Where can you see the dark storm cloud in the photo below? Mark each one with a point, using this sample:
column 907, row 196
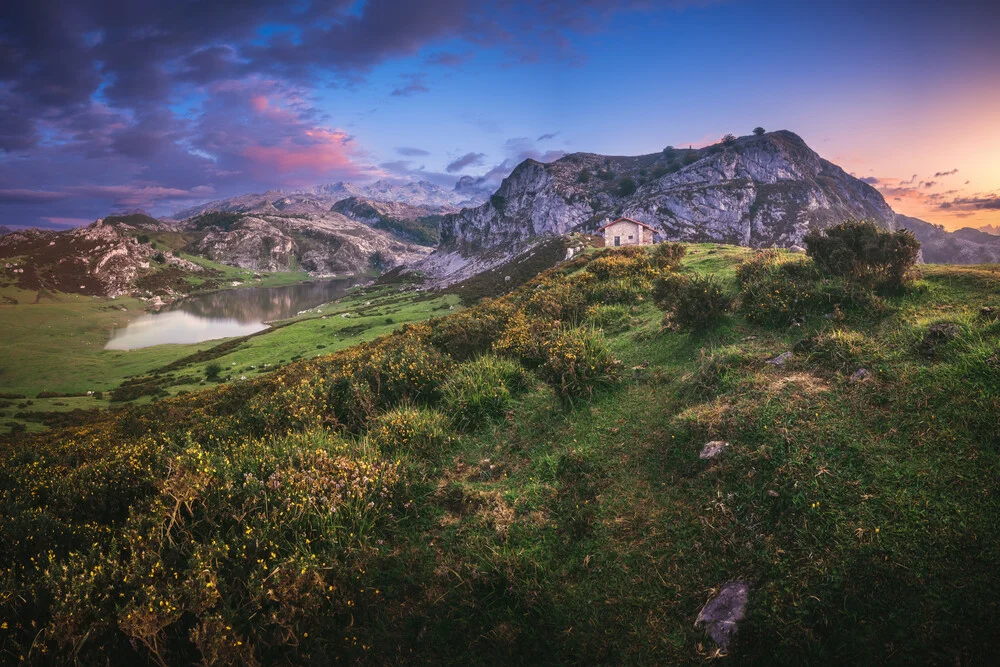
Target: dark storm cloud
column 870, row 180
column 467, row 160
column 24, row 196
column 945, row 173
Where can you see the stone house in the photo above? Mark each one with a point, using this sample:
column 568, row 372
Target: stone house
column 625, row 231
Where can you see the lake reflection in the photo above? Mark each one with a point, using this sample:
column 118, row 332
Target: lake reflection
column 227, row 313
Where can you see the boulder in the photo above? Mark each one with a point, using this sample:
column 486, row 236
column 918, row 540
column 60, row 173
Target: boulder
column 780, row 359
column 713, row 449
column 722, row 613
column 860, row 374
column 937, row 335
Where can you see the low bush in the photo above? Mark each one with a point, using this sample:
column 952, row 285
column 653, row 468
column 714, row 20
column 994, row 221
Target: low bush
column 561, row 300
column 483, row 389
column 409, row 429
column 667, row 256
column 776, row 290
column 471, row 332
column 837, row 349
column 697, row 303
column 523, row 338
column 238, row 551
column 860, row 251
column 578, row 362
column 623, row 263
column 212, row 371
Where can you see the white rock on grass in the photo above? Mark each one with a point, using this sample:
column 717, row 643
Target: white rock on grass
column 780, row 359
column 713, row 449
column 722, row 613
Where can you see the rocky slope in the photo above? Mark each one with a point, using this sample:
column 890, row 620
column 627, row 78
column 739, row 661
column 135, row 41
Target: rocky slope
column 324, row 244
column 414, row 223
column 102, row 259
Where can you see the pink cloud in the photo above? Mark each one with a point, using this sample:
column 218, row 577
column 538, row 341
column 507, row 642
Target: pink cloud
column 312, row 154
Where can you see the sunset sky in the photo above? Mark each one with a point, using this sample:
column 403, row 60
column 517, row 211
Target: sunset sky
column 110, row 106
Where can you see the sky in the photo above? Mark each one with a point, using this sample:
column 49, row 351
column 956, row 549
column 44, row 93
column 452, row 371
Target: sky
column 109, row 106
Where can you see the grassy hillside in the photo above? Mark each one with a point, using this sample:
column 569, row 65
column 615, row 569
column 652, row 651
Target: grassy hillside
column 520, row 481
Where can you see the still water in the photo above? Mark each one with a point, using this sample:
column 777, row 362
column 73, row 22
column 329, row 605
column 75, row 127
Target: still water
column 236, row 312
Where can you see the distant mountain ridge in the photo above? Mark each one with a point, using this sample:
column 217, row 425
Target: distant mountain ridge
column 963, row 246
column 321, row 198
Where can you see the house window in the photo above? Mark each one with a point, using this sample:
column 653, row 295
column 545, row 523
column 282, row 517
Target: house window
column 629, row 237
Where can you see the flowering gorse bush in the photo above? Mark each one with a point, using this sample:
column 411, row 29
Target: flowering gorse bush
column 406, row 428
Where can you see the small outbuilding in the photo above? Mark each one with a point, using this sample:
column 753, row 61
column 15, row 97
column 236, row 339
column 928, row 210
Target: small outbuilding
column 625, row 231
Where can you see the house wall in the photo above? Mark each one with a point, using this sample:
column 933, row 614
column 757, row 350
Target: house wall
column 624, row 230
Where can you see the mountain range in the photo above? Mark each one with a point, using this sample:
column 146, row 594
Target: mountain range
column 759, row 191
column 320, row 198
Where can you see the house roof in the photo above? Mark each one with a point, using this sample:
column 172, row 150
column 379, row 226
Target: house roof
column 641, row 224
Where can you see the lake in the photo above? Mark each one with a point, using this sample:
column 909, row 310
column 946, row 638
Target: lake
column 235, row 312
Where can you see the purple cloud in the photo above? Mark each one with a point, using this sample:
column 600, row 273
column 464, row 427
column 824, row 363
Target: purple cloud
column 414, row 86
column 467, row 160
column 412, row 152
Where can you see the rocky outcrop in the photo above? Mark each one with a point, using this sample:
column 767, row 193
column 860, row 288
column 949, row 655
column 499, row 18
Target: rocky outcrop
column 327, row 244
column 101, row 259
column 760, row 192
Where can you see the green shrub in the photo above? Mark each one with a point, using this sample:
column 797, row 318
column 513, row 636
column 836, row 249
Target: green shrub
column 667, row 289
column 626, row 186
column 212, row 371
column 667, row 256
column 860, row 252
column 483, row 389
column 838, row 349
column 409, row 429
column 697, row 303
column 577, row 362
